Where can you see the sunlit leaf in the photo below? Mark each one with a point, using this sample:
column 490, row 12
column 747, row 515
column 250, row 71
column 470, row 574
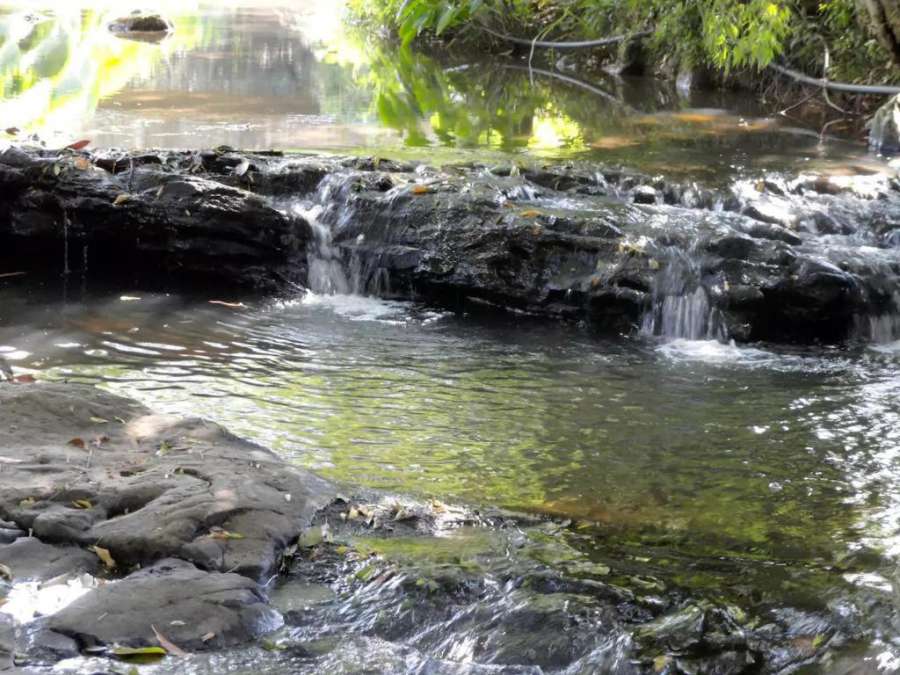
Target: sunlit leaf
column 105, row 556
column 139, row 654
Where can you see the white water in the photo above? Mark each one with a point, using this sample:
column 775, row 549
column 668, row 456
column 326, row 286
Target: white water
column 714, row 351
column 326, row 269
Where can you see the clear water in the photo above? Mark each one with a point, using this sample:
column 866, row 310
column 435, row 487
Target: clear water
column 760, row 476
column 787, row 455
column 713, row 467
column 291, row 75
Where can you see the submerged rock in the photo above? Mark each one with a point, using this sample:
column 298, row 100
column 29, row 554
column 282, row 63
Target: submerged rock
column 143, row 27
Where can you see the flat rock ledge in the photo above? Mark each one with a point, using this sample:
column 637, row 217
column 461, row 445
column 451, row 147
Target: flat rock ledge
column 775, row 257
column 194, row 520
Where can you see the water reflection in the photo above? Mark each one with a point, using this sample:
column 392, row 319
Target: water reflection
column 755, row 475
column 720, row 452
column 259, row 75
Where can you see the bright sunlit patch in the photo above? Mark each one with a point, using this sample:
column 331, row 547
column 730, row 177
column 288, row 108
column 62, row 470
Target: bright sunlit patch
column 29, row 600
column 551, row 131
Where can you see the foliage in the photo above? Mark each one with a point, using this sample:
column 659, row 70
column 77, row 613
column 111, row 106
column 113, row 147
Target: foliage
column 726, row 35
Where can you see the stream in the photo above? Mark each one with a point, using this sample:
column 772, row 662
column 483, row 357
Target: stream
column 603, row 501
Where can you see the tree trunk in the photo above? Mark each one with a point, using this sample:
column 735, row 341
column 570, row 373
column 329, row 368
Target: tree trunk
column 884, row 18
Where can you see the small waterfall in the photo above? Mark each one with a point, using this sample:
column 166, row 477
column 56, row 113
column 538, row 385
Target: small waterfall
column 326, row 268
column 881, row 329
column 681, row 306
column 330, row 271
column 884, row 329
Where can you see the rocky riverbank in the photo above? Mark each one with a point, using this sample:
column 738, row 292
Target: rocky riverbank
column 804, row 258
column 124, row 531
column 188, row 519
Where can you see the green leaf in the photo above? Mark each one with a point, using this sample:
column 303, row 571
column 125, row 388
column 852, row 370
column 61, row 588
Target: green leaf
column 138, row 654
column 448, row 16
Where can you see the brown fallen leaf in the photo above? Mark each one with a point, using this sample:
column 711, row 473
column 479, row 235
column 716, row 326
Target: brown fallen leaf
column 12, row 131
column 83, row 164
column 530, row 214
column 78, row 145
column 121, row 199
column 421, row 190
column 225, row 535
column 105, row 557
column 207, row 637
column 167, row 644
column 77, row 443
column 233, row 305
column 99, row 441
column 24, row 379
column 82, row 504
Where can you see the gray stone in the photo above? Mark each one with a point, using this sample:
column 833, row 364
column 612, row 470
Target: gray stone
column 30, row 559
column 212, row 498
column 195, row 610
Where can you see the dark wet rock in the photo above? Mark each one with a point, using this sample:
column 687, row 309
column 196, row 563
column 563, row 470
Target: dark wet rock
column 644, row 194
column 157, row 486
column 9, row 532
column 188, row 605
column 29, row 559
column 572, row 241
column 884, row 128
column 155, row 225
column 38, row 645
column 140, row 23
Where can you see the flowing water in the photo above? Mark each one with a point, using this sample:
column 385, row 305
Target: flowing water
column 671, row 464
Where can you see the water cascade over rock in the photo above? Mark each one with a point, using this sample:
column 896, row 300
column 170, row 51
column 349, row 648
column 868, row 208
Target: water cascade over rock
column 681, row 305
column 798, row 258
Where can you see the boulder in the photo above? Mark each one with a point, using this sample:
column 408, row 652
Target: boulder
column 143, row 27
column 93, row 469
column 151, row 223
column 774, row 257
column 30, row 559
column 195, row 610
